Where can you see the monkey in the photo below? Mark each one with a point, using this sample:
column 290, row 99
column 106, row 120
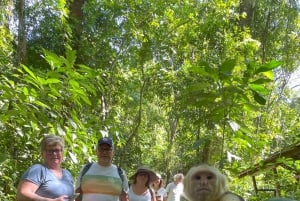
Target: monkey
column 206, row 183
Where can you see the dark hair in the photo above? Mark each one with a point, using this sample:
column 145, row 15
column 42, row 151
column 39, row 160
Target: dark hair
column 147, row 182
column 160, row 183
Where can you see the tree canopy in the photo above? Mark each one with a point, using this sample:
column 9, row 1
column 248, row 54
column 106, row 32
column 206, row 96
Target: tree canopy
column 174, row 83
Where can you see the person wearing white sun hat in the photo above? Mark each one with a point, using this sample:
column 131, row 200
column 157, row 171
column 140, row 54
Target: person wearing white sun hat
column 141, row 181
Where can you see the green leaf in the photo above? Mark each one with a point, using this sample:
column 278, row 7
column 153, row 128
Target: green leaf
column 54, row 93
column 250, row 107
column 74, row 84
column 39, row 103
column 71, row 58
column 269, row 75
column 53, row 60
column 29, row 72
column 261, row 81
column 259, row 88
column 86, row 99
column 227, row 67
column 52, row 81
column 268, row 66
column 3, row 157
column 259, row 98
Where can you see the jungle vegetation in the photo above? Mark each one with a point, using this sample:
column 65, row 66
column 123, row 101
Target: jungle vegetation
column 175, row 83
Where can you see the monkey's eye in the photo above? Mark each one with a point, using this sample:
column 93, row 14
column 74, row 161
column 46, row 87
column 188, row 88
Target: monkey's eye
column 197, row 177
column 209, row 177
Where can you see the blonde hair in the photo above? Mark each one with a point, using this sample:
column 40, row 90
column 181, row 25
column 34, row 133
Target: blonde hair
column 51, row 140
column 178, row 176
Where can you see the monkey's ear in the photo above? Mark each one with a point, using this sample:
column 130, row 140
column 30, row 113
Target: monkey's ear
column 223, row 181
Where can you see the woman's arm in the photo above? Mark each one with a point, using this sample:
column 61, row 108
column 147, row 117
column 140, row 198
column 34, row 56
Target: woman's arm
column 26, row 192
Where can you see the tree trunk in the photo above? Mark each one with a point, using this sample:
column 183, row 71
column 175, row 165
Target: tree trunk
column 247, row 6
column 76, row 22
column 21, row 47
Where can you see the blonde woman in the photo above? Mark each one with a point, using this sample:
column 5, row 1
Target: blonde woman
column 47, row 181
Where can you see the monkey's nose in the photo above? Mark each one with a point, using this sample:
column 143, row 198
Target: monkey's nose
column 204, row 182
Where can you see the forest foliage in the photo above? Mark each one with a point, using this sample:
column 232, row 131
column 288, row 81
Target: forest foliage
column 174, row 83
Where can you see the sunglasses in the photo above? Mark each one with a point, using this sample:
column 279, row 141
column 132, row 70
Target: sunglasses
column 144, row 174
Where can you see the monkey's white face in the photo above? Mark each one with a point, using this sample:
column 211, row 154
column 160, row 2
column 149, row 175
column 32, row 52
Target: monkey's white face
column 204, row 184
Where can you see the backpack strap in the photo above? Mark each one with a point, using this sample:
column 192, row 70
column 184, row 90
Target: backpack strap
column 121, row 174
column 84, row 170
column 152, row 194
column 124, row 195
